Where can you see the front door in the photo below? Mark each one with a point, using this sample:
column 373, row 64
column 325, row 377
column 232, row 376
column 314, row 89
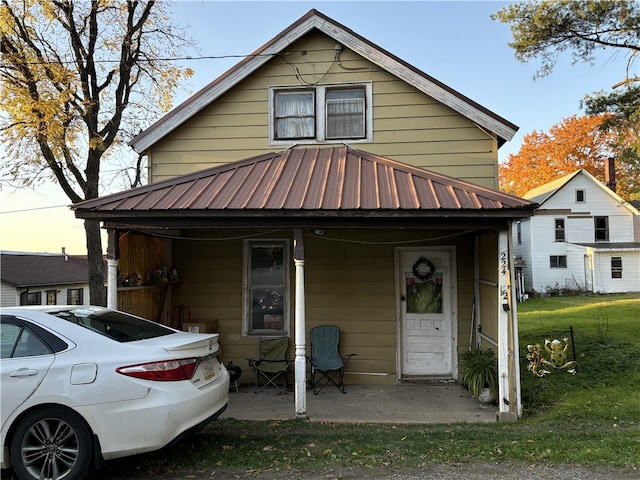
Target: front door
column 426, row 281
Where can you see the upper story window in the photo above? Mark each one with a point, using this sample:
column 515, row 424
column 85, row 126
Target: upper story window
column 601, row 225
column 266, row 288
column 321, row 113
column 581, row 196
column 519, row 232
column 559, row 233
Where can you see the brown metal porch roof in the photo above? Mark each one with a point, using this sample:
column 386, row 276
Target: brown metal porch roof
column 335, row 181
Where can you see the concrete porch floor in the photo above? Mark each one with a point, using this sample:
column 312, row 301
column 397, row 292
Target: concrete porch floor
column 406, row 403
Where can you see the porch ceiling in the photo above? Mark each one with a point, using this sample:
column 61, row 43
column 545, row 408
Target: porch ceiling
column 339, row 185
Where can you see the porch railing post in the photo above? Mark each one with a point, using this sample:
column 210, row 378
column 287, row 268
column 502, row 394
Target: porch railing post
column 300, row 364
column 112, row 283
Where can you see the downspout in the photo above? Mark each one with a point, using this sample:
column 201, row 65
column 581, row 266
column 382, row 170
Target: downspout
column 300, row 365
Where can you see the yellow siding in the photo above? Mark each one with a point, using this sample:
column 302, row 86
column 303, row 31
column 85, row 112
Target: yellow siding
column 408, row 125
column 349, row 283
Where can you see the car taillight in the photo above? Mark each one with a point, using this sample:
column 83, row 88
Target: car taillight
column 166, row 371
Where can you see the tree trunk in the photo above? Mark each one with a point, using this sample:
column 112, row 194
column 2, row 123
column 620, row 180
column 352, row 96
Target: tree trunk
column 97, row 291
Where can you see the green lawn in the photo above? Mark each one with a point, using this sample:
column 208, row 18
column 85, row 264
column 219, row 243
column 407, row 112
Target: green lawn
column 591, row 418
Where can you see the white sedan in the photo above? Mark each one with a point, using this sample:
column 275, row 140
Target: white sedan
column 85, row 384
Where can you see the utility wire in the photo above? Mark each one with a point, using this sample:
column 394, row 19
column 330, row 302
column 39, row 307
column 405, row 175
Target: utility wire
column 33, row 209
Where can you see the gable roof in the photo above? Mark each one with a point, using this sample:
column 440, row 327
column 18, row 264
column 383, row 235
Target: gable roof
column 313, row 19
column 39, row 269
column 312, row 183
column 544, row 192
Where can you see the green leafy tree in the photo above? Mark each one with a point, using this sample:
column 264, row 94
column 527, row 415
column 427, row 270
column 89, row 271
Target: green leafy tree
column 77, row 80
column 544, row 30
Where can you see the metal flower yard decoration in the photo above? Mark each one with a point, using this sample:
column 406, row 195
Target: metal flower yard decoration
column 557, row 354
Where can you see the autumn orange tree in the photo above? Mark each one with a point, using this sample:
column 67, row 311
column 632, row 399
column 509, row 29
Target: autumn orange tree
column 574, row 143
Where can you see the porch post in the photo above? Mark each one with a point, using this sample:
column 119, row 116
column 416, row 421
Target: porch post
column 112, row 283
column 503, row 323
column 300, row 364
column 514, row 329
column 112, row 271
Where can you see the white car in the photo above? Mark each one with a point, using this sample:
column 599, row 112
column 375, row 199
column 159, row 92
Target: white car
column 81, row 385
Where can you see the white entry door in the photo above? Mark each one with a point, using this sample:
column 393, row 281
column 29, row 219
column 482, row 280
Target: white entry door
column 427, row 316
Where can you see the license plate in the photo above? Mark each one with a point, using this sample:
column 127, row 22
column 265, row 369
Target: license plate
column 208, row 370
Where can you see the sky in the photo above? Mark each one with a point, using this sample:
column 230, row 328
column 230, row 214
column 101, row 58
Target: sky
column 455, row 42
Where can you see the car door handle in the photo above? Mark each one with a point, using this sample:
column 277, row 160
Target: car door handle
column 24, row 372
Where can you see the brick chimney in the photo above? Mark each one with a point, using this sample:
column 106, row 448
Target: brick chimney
column 610, row 173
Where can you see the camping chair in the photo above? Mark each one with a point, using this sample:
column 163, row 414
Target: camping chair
column 326, row 361
column 272, row 365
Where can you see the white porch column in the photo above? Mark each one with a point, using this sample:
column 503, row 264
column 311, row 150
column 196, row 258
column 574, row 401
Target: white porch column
column 514, row 331
column 300, row 364
column 112, row 283
column 507, row 358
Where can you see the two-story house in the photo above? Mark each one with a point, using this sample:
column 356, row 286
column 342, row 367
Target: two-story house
column 583, row 237
column 43, row 279
column 323, row 180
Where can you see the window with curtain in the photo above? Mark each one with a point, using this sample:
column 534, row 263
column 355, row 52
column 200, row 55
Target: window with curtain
column 345, row 113
column 321, row 113
column 294, row 114
column 266, row 288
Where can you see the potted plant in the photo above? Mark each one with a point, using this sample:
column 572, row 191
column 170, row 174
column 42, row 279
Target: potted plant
column 479, row 372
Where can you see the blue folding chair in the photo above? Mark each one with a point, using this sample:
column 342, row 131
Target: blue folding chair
column 326, row 362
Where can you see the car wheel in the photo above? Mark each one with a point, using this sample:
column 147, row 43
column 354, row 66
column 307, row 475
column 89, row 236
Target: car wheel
column 51, row 444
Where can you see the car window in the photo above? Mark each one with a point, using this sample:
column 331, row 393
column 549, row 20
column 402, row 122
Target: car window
column 9, row 334
column 18, row 341
column 116, row 325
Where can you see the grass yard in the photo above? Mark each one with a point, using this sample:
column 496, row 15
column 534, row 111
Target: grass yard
column 590, row 419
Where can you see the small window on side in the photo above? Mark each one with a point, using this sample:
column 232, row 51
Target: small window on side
column 581, row 196
column 31, row 298
column 74, row 296
column 559, row 230
column 558, row 261
column 52, row 297
column 616, row 267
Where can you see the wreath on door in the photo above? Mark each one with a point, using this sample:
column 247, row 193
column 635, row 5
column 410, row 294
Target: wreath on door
column 423, row 269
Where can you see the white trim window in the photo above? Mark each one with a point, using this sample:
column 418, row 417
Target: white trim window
column 559, row 230
column 266, row 288
column 320, row 113
column 601, row 229
column 616, row 267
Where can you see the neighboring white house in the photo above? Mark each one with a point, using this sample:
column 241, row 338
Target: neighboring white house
column 43, row 279
column 582, row 237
